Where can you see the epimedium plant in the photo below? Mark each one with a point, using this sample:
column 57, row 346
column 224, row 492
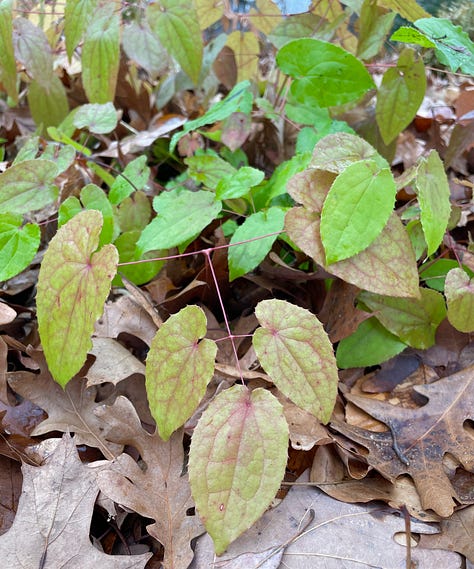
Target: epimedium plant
column 333, row 200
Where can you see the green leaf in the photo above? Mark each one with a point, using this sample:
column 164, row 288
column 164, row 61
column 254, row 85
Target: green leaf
column 139, row 273
column 77, row 16
column 356, row 209
column 453, row 48
column 387, row 266
column 98, row 119
column 178, row 368
column 335, row 152
column 134, row 212
column 459, row 290
column 238, row 184
column 48, row 102
column 73, row 285
column 94, row 197
column 408, row 9
column 324, row 74
column 413, row 320
column 181, row 216
column 134, row 178
column 400, row 95
column 369, row 345
column 411, row 35
column 375, row 25
column 18, row 244
column 28, row 186
column 237, row 460
column 176, row 25
column 101, row 55
column 208, row 169
column 433, row 274
column 7, row 61
column 295, row 351
column 433, row 192
column 238, row 100
column 62, row 156
column 143, row 47
column 295, row 27
column 70, row 207
column 245, row 257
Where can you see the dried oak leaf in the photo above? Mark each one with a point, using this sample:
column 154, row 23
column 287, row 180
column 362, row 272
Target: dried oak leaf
column 419, row 438
column 69, row 409
column 157, row 488
column 51, row 527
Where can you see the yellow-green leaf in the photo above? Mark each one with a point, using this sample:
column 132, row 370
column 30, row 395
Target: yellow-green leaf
column 7, row 61
column 295, row 351
column 246, row 49
column 48, row 102
column 237, row 461
column 18, row 244
column 73, row 285
column 408, row 9
column 100, row 55
column 77, row 15
column 178, row 369
column 459, row 290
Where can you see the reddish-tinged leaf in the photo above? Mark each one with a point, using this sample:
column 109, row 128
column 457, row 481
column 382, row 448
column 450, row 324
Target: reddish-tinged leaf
column 73, row 285
column 178, row 369
column 459, row 290
column 295, row 351
column 387, row 266
column 237, row 461
column 311, row 187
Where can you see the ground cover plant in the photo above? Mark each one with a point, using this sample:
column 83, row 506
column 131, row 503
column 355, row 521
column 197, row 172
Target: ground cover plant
column 235, row 252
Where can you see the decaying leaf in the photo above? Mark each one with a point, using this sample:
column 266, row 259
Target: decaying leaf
column 158, row 490
column 51, row 527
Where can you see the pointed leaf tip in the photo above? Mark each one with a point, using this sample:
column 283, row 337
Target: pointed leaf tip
column 295, row 351
column 178, row 369
column 73, row 284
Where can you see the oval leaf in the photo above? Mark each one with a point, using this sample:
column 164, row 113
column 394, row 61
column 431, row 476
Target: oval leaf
column 459, row 290
column 356, row 209
column 295, row 351
column 18, row 245
column 99, row 119
column 73, row 285
column 178, row 369
column 237, row 460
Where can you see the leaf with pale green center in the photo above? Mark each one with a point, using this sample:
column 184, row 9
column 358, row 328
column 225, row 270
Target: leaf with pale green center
column 245, row 257
column 413, row 320
column 176, row 25
column 77, row 15
column 400, row 95
column 433, row 193
column 18, row 244
column 73, row 285
column 356, row 209
column 237, row 460
column 101, row 55
column 295, row 351
column 387, row 266
column 459, row 290
column 7, row 63
column 335, row 152
column 178, row 369
column 28, row 186
column 181, row 216
column 99, row 119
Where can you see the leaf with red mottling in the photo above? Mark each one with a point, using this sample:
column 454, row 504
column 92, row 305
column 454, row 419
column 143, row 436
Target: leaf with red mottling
column 459, row 291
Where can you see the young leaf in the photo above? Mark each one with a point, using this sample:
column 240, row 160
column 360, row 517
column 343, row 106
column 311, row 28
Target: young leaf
column 98, row 119
column 433, row 196
column 323, row 73
column 7, row 62
column 387, row 266
column 73, row 284
column 295, row 351
column 400, row 95
column 18, row 244
column 238, row 100
column 77, row 15
column 28, row 186
column 178, row 369
column 356, row 209
column 237, row 461
column 134, row 177
column 244, row 258
column 335, row 152
column 176, row 25
column 238, row 184
column 413, row 320
column 459, row 290
column 369, row 345
column 181, row 216
column 101, row 54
